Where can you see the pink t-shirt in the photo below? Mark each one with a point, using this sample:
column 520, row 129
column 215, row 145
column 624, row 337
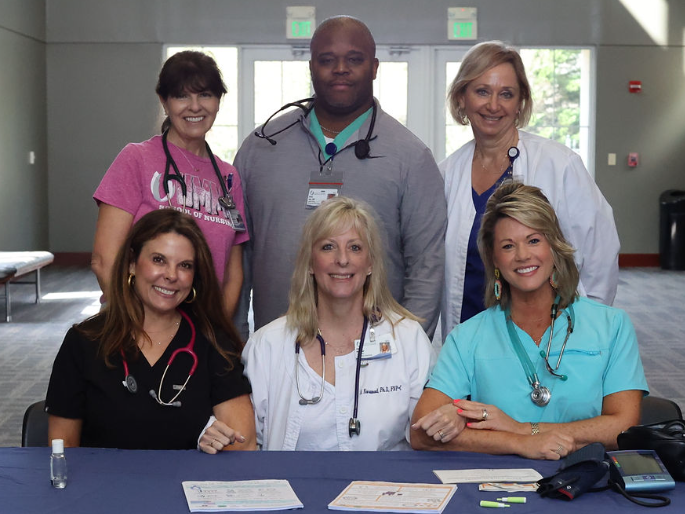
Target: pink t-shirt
column 133, row 183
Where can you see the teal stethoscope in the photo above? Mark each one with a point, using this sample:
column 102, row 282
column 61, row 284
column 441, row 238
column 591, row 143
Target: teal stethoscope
column 541, row 395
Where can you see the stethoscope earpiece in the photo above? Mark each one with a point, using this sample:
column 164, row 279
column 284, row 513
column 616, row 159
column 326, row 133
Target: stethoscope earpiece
column 362, row 149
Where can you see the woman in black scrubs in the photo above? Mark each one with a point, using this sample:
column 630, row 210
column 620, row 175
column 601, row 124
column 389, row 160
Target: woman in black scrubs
column 161, row 359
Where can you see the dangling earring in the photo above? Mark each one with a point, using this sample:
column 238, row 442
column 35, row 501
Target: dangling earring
column 553, row 281
column 131, row 279
column 498, row 286
column 193, row 298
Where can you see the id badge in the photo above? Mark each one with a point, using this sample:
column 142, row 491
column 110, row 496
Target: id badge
column 235, row 220
column 381, row 348
column 322, row 187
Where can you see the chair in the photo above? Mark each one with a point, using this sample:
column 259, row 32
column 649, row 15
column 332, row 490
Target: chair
column 34, row 430
column 656, row 410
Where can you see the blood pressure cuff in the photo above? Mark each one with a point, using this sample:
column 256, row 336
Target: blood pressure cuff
column 667, row 439
column 579, row 473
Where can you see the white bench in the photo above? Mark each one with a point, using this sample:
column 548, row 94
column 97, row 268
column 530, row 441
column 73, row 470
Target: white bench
column 15, row 265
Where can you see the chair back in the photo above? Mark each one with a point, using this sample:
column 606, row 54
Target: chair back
column 657, row 410
column 34, row 430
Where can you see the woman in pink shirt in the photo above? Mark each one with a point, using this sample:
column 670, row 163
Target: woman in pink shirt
column 177, row 170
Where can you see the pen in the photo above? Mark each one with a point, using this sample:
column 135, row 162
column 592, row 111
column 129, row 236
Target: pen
column 513, row 499
column 484, row 503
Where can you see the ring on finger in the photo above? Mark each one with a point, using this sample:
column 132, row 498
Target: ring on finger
column 484, row 416
column 559, row 450
column 441, row 434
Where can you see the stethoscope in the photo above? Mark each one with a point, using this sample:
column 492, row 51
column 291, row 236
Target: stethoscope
column 132, row 386
column 354, row 425
column 361, row 147
column 513, row 154
column 541, row 395
column 226, row 201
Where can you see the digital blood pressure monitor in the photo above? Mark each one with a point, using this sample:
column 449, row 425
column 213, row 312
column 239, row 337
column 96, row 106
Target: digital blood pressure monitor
column 639, row 471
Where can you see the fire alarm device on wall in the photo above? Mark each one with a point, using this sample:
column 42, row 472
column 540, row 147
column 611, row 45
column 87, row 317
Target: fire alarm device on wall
column 635, row 86
column 633, row 159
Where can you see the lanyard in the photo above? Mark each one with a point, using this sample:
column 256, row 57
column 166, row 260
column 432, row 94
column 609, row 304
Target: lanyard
column 541, row 395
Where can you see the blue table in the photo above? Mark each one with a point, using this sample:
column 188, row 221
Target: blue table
column 105, row 481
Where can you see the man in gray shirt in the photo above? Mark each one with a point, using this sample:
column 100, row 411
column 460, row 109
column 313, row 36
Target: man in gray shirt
column 341, row 143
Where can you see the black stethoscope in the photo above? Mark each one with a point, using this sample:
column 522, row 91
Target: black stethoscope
column 132, row 386
column 226, row 201
column 541, row 395
column 361, row 147
column 354, row 426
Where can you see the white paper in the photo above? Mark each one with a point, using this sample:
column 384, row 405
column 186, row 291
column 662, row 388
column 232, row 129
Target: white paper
column 394, row 497
column 475, row 476
column 239, row 496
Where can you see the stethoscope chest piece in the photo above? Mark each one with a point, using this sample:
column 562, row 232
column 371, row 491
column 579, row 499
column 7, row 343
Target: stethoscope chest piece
column 131, row 384
column 540, row 395
column 355, row 426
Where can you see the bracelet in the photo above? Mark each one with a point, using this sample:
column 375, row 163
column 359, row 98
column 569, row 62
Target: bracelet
column 534, row 428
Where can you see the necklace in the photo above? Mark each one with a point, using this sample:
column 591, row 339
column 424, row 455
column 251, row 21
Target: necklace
column 336, row 349
column 174, row 325
column 197, row 170
column 329, row 130
column 501, row 167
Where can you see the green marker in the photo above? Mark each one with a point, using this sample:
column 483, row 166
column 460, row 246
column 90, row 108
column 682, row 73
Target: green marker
column 513, row 499
column 484, row 503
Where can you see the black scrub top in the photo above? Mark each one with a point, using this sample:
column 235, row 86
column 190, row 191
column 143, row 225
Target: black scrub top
column 83, row 387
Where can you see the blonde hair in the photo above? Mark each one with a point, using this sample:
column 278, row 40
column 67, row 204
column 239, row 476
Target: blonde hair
column 477, row 61
column 335, row 216
column 530, row 207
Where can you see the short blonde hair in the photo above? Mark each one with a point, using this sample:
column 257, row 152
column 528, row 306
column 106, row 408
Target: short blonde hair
column 529, row 206
column 477, row 61
column 335, row 216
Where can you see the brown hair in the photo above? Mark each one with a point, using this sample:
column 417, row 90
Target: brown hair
column 530, row 207
column 477, row 61
column 189, row 71
column 124, row 314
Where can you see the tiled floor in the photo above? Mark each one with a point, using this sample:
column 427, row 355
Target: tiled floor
column 655, row 300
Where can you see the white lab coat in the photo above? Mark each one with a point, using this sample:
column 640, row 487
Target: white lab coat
column 585, row 217
column 389, row 388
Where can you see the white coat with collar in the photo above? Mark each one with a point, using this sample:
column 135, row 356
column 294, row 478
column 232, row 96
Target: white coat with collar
column 389, row 388
column 585, row 217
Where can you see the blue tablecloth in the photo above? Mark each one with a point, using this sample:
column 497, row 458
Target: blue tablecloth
column 105, row 481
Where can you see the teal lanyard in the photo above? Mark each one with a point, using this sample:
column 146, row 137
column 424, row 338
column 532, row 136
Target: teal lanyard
column 521, row 353
column 340, row 139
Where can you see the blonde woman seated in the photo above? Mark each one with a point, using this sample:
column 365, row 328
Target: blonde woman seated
column 547, row 372
column 311, row 388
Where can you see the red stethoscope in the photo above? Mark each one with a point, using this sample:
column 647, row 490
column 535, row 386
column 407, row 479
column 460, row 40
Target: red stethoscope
column 130, row 383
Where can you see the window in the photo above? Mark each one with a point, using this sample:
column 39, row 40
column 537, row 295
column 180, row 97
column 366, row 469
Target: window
column 261, row 79
column 560, row 81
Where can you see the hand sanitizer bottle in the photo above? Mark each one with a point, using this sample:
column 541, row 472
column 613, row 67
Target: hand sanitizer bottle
column 58, row 465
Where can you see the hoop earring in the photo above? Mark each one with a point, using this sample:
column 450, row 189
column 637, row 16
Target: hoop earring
column 553, row 280
column 193, row 298
column 498, row 286
column 131, row 279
